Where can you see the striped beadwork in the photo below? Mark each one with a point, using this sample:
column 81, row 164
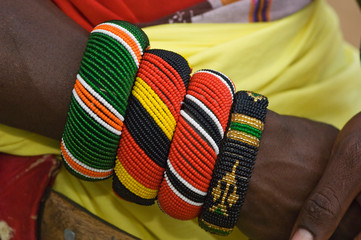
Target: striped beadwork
column 195, row 145
column 234, row 165
column 172, row 132
column 150, row 121
column 95, row 119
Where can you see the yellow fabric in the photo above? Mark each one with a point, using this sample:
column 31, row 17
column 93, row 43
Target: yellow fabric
column 23, row 143
column 299, row 62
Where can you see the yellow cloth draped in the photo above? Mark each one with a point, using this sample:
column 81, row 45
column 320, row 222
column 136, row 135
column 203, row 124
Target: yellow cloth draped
column 300, row 62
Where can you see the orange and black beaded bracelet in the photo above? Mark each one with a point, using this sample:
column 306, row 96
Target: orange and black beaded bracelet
column 150, row 121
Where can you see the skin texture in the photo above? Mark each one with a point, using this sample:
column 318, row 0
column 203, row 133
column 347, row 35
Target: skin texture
column 339, row 186
column 292, row 157
column 42, row 49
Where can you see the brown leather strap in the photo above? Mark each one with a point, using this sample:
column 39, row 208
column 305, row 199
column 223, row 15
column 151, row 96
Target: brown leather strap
column 61, row 214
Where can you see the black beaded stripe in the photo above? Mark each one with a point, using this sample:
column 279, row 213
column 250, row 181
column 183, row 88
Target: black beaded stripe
column 118, row 187
column 231, row 151
column 183, row 189
column 198, row 119
column 178, row 62
column 147, row 134
column 209, row 125
column 195, row 119
column 238, row 144
column 246, row 105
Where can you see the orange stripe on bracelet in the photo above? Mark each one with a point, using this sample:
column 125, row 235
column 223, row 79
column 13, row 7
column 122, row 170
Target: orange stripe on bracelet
column 99, row 105
column 96, row 110
column 165, row 67
column 123, row 35
column 82, row 169
column 144, row 170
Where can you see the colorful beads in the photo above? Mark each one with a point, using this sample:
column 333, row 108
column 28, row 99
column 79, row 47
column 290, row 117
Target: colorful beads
column 172, row 131
column 150, row 121
column 234, row 165
column 195, row 145
column 95, row 120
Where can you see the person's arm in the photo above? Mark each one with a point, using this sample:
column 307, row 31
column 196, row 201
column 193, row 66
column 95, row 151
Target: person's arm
column 40, row 53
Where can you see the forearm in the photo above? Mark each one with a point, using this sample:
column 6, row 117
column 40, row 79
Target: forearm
column 40, row 52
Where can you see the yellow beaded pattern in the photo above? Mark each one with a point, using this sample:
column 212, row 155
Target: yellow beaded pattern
column 133, row 185
column 154, row 106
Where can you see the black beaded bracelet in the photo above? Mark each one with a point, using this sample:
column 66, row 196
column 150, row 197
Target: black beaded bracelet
column 234, row 165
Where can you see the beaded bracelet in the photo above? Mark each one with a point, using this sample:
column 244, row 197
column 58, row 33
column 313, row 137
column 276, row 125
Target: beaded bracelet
column 234, row 165
column 170, row 140
column 195, row 144
column 150, row 121
column 95, row 119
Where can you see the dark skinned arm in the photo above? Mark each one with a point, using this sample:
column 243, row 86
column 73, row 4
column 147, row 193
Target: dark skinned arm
column 40, row 52
column 41, row 49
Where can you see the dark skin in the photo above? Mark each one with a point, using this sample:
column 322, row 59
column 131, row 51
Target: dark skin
column 42, row 49
column 292, row 157
column 339, row 186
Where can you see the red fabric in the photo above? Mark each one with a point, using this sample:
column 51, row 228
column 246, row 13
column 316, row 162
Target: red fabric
column 89, row 13
column 23, row 181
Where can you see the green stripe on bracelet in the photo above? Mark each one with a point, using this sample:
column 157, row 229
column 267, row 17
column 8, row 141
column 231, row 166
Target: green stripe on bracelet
column 246, row 128
column 213, row 228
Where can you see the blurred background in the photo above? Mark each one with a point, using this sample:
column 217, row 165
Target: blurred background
column 350, row 19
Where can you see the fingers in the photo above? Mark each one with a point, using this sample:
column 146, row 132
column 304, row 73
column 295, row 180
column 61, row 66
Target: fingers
column 350, row 224
column 337, row 188
column 358, row 237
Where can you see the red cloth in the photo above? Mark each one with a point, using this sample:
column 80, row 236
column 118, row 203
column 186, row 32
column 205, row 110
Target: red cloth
column 23, row 181
column 89, row 13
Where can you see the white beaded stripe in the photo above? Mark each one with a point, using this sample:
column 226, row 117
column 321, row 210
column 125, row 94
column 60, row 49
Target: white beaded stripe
column 98, row 178
column 119, row 39
column 93, row 115
column 230, row 81
column 201, row 130
column 100, row 98
column 220, row 78
column 127, row 32
column 83, row 164
column 179, row 194
column 187, row 184
column 208, row 111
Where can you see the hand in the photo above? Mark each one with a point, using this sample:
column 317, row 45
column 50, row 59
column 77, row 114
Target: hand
column 339, row 186
column 292, row 157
